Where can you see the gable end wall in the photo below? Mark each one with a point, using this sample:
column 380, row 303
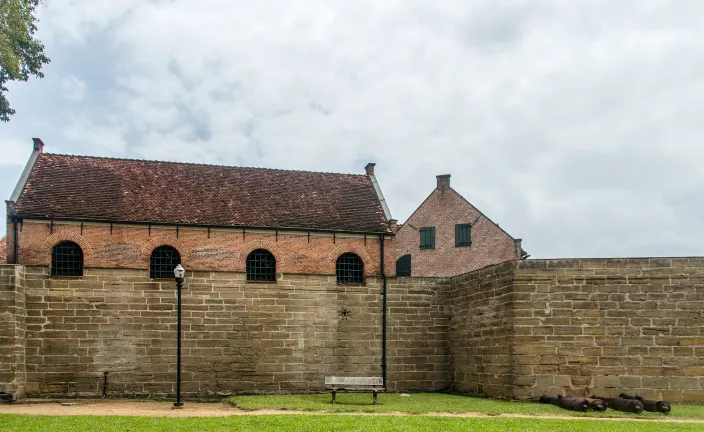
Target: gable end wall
column 443, row 209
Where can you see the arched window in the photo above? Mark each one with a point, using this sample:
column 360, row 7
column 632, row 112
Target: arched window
column 403, row 266
column 261, row 266
column 163, row 261
column 350, row 268
column 66, row 259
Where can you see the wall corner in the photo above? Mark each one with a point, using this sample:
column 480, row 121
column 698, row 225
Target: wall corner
column 12, row 330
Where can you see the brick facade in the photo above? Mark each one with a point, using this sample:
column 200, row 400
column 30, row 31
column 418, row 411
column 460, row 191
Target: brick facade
column 130, row 246
column 8, row 242
column 443, row 209
column 3, row 250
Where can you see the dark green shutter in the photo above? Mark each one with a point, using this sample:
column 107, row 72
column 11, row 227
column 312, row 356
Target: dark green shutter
column 463, row 235
column 427, row 238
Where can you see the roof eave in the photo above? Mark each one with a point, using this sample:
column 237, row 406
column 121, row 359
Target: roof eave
column 385, row 232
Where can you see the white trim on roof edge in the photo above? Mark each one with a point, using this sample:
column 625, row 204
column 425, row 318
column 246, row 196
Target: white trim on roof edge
column 38, row 148
column 380, row 195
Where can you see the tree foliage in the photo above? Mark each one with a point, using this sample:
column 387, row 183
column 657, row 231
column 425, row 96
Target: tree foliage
column 21, row 55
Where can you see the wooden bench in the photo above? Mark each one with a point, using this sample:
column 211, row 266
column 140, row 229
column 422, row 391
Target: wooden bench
column 354, row 384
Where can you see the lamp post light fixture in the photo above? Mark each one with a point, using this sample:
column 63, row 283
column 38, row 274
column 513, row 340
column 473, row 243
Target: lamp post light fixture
column 179, row 272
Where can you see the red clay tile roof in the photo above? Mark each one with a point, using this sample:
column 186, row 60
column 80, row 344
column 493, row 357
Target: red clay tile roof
column 90, row 188
column 3, row 250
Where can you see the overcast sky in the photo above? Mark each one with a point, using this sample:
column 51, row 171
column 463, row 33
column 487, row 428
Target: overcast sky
column 576, row 125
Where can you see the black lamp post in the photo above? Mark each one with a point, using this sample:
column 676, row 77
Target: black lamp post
column 179, row 272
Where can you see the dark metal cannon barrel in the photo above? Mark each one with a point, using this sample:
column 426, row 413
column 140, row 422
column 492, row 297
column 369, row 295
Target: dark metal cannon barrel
column 573, row 403
column 625, row 405
column 651, row 405
column 549, row 399
column 596, row 404
column 566, row 402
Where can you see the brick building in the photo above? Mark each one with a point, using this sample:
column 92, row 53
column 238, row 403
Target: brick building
column 119, row 213
column 448, row 236
column 277, row 262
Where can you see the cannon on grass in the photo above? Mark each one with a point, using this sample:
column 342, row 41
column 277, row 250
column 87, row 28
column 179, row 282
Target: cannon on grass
column 549, row 399
column 596, row 404
column 651, row 405
column 567, row 402
column 626, row 405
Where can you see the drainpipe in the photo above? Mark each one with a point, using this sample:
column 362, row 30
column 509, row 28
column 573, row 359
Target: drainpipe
column 383, row 316
column 14, row 235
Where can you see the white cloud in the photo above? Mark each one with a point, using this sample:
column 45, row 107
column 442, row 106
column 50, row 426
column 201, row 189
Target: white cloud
column 573, row 124
column 73, row 88
column 13, row 152
column 96, row 140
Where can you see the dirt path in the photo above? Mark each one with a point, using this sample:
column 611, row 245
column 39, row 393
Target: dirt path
column 192, row 409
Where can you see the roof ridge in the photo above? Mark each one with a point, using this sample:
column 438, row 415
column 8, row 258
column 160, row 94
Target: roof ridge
column 201, row 164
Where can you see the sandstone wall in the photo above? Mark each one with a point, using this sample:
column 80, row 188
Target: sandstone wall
column 518, row 329
column 238, row 336
column 481, row 331
column 12, row 330
column 605, row 326
column 418, row 334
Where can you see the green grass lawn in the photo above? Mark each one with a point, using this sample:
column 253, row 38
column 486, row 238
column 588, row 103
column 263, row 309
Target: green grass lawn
column 329, row 422
column 419, row 403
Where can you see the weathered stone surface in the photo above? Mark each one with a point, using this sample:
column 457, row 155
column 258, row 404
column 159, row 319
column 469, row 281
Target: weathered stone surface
column 13, row 328
column 515, row 329
column 636, row 312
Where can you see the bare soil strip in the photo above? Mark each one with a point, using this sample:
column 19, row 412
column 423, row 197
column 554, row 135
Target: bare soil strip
column 193, row 409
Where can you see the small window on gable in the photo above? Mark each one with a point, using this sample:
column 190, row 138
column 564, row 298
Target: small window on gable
column 163, row 261
column 463, row 235
column 350, row 269
column 66, row 259
column 427, row 238
column 261, row 266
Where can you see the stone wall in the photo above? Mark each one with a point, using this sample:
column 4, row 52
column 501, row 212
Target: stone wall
column 12, row 330
column 238, row 336
column 518, row 329
column 481, row 331
column 418, row 339
column 603, row 326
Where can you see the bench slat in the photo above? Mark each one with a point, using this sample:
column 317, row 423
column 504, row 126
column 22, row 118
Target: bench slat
column 354, row 381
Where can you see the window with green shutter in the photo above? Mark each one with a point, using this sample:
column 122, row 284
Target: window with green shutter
column 463, row 235
column 427, row 238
